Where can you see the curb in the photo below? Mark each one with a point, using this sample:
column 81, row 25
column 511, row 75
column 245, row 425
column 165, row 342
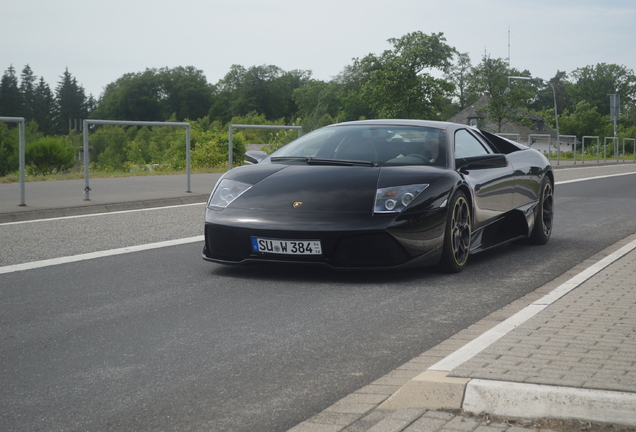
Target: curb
column 437, row 389
column 366, row 407
column 22, row 216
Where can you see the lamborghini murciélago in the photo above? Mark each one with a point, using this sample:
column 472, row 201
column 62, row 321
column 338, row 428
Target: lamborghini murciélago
column 381, row 194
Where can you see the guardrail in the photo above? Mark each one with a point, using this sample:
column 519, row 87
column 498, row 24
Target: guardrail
column 87, row 122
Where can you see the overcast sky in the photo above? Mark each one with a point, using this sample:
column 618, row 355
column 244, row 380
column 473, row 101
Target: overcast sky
column 99, row 41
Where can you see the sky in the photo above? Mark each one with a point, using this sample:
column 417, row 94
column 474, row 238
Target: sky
column 99, row 41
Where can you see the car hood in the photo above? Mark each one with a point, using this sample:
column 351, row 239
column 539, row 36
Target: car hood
column 319, row 188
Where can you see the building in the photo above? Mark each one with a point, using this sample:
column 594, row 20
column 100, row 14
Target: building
column 536, row 134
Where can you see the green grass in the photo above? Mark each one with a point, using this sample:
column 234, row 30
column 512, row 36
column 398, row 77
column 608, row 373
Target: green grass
column 568, row 156
column 15, row 177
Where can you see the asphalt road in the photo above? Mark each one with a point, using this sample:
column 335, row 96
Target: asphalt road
column 161, row 340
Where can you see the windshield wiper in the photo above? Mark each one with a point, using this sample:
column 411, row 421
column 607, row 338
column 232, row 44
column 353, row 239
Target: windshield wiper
column 319, row 161
column 294, row 158
column 340, row 162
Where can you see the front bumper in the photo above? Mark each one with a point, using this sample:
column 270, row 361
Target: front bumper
column 349, row 241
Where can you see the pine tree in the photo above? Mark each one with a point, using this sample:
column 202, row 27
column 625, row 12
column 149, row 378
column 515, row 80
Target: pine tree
column 44, row 107
column 10, row 99
column 71, row 102
column 27, row 91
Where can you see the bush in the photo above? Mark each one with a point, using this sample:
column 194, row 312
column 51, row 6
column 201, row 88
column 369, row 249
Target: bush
column 49, row 155
column 8, row 150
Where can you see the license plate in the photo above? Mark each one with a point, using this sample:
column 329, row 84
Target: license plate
column 286, row 247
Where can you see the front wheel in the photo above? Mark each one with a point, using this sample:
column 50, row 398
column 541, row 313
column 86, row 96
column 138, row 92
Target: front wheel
column 457, row 236
column 543, row 222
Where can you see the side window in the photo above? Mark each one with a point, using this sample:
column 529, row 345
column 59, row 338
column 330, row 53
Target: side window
column 467, row 145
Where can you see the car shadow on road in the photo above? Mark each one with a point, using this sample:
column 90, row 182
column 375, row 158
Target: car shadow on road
column 319, row 274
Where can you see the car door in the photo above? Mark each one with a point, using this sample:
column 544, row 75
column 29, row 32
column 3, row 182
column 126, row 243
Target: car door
column 489, row 174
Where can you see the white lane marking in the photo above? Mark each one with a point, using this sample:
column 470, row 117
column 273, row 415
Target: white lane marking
column 93, row 255
column 594, row 178
column 482, row 342
column 101, row 214
column 100, row 254
column 582, row 166
column 195, row 204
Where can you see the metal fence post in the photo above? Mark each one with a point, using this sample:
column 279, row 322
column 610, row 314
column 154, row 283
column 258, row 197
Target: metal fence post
column 21, row 153
column 583, row 147
column 238, row 126
column 86, row 162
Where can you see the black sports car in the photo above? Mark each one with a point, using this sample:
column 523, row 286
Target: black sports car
column 381, row 194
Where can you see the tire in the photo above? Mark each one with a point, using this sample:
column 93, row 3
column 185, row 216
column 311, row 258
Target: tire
column 545, row 215
column 457, row 235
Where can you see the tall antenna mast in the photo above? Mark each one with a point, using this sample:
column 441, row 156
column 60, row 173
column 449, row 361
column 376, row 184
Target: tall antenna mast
column 508, row 45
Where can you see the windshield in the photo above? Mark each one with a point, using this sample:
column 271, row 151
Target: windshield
column 374, row 144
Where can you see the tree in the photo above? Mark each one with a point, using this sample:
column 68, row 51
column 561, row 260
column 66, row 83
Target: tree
column 545, row 96
column 506, row 96
column 315, row 100
column 397, row 86
column 156, row 95
column 43, row 107
column 265, row 89
column 224, row 91
column 594, row 83
column 8, row 149
column 133, row 96
column 71, row 102
column 27, row 91
column 585, row 120
column 10, row 99
column 186, row 92
column 459, row 74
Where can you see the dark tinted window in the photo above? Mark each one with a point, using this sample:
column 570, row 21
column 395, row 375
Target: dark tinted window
column 384, row 145
column 466, row 145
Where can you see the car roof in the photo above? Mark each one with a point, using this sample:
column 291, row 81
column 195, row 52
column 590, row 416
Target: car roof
column 401, row 122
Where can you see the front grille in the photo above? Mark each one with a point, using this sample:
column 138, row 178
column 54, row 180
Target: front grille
column 339, row 249
column 225, row 244
column 369, row 250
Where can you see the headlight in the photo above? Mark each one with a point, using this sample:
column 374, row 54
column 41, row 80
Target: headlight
column 225, row 192
column 395, row 199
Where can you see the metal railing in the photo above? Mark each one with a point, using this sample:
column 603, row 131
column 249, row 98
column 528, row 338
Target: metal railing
column 598, row 147
column 633, row 150
column 87, row 122
column 21, row 152
column 615, row 140
column 239, row 126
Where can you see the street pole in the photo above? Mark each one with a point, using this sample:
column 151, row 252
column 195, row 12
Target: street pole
column 556, row 114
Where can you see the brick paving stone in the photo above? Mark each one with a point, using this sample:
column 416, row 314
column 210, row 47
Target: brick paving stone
column 367, row 422
column 426, row 424
column 463, row 424
column 441, row 415
column 379, row 389
column 334, row 418
column 397, row 421
column 315, row 427
column 498, row 427
column 351, row 407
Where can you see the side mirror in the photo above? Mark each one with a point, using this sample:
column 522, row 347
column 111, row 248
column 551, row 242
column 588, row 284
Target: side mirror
column 481, row 162
column 254, row 156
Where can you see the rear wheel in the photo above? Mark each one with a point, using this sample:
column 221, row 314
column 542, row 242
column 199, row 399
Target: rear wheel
column 543, row 222
column 457, row 235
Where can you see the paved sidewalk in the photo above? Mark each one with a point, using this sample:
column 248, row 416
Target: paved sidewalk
column 566, row 351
